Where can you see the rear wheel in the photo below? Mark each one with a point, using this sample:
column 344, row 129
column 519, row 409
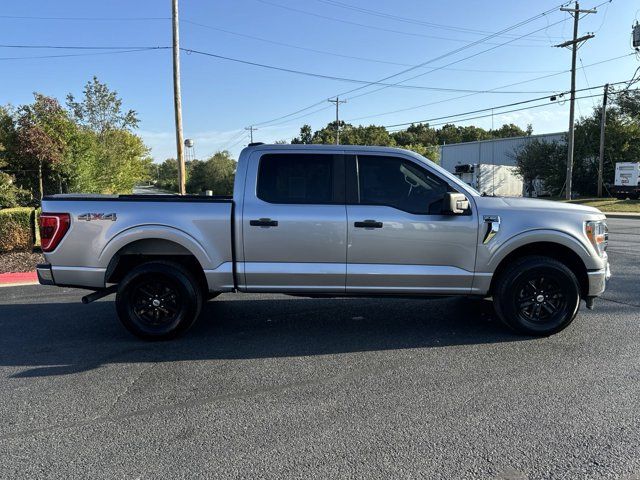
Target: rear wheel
column 158, row 300
column 537, row 296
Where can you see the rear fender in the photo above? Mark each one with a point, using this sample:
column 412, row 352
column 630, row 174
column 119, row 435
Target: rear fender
column 150, row 232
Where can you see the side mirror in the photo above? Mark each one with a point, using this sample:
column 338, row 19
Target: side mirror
column 455, row 203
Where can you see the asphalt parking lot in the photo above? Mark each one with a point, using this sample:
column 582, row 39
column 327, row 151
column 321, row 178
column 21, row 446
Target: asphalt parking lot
column 268, row 386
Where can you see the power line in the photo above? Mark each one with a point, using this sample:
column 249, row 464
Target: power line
column 107, row 19
column 414, row 21
column 495, row 107
column 510, row 111
column 115, row 52
column 340, row 79
column 450, row 63
column 527, row 108
column 496, row 88
column 364, row 25
column 78, row 47
column 237, row 143
column 341, row 55
column 435, row 59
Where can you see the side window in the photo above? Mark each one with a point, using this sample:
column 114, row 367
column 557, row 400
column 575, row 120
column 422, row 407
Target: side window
column 399, row 183
column 296, row 178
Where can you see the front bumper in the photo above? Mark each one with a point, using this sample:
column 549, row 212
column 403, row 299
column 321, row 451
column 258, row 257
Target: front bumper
column 45, row 275
column 598, row 281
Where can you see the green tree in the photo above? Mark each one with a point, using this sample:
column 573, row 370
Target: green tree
column 216, row 174
column 432, row 152
column 43, row 130
column 100, row 109
column 167, row 175
column 306, row 135
column 110, row 157
column 546, row 161
column 510, row 130
column 416, row 134
column 622, row 141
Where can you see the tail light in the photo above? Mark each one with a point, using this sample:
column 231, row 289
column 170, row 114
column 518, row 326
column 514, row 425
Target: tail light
column 53, row 227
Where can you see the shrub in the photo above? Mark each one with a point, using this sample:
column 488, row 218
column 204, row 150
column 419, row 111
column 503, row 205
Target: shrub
column 10, row 194
column 16, row 229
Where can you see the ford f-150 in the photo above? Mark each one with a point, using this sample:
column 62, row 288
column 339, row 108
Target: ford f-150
column 321, row 220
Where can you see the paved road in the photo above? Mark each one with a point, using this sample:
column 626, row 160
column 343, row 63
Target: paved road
column 279, row 387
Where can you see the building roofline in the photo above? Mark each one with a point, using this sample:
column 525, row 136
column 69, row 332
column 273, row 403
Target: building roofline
column 538, row 135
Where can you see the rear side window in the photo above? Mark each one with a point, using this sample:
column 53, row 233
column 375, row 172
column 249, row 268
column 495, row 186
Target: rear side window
column 297, row 178
column 399, row 183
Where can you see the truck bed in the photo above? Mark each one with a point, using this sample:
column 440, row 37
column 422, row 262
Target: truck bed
column 102, row 227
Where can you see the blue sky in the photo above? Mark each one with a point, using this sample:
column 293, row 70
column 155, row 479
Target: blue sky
column 221, row 97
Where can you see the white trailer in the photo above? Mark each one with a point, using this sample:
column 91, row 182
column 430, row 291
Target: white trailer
column 627, row 179
column 497, row 180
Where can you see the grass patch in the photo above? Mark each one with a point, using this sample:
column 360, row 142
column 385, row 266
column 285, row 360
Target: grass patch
column 610, row 204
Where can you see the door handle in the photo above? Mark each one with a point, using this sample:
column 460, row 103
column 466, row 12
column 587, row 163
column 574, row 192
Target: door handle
column 368, row 224
column 263, row 222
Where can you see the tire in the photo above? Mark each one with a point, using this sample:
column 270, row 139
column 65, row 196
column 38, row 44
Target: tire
column 537, row 295
column 158, row 300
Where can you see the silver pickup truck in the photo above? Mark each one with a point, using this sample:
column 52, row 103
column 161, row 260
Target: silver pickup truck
column 331, row 221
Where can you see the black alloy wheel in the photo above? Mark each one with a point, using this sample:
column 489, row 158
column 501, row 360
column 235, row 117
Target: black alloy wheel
column 540, row 299
column 537, row 295
column 158, row 300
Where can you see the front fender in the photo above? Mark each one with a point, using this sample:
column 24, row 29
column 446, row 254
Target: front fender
column 492, row 254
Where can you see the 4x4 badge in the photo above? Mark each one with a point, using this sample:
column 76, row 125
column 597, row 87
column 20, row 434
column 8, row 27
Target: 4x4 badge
column 98, row 216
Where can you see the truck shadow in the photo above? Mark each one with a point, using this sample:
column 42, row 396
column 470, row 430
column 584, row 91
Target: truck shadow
column 67, row 338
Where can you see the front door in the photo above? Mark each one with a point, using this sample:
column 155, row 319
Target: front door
column 294, row 223
column 399, row 241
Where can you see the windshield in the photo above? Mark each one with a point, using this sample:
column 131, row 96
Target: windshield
column 450, row 176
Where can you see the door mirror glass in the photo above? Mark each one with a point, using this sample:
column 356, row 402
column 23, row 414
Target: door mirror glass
column 455, row 203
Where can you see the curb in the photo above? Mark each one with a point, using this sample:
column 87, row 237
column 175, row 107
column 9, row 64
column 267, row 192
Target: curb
column 630, row 215
column 18, row 278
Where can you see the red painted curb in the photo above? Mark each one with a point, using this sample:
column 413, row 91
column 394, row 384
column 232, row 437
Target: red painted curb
column 19, row 277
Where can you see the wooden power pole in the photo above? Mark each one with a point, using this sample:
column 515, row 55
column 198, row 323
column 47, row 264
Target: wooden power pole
column 337, row 101
column 177, row 100
column 251, row 129
column 572, row 105
column 603, row 122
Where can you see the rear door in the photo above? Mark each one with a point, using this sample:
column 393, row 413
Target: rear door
column 294, row 223
column 399, row 240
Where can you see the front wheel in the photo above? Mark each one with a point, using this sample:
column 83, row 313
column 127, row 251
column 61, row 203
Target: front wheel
column 158, row 300
column 537, row 296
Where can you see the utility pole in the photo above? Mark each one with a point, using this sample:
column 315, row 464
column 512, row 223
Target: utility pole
column 251, row 128
column 574, row 49
column 603, row 122
column 177, row 100
column 337, row 101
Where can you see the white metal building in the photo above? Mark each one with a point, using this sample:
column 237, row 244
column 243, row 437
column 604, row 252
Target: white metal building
column 498, row 151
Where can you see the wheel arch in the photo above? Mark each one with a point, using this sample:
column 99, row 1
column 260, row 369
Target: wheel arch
column 142, row 248
column 558, row 251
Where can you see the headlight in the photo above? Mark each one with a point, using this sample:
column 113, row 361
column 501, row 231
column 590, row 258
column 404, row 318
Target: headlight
column 598, row 234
